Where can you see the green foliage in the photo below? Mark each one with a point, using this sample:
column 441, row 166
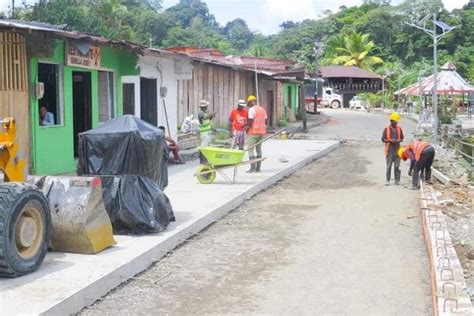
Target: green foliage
column 354, row 49
column 357, row 35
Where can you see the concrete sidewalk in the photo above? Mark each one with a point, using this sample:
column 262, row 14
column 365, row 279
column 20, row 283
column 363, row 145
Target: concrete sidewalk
column 68, row 282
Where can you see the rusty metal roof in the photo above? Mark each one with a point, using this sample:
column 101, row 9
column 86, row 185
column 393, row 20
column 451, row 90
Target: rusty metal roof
column 347, row 72
column 265, row 66
column 59, row 31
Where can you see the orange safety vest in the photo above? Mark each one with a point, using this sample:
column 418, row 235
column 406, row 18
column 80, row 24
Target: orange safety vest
column 258, row 125
column 418, row 148
column 388, row 136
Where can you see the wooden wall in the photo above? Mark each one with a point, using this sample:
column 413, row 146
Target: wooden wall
column 221, row 86
column 14, row 86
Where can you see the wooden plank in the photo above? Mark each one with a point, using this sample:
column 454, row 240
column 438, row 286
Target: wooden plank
column 225, row 97
column 16, row 62
column 24, row 67
column 2, row 57
column 200, row 83
column 195, row 99
column 210, row 85
column 215, row 97
column 7, row 61
column 205, row 78
column 221, row 93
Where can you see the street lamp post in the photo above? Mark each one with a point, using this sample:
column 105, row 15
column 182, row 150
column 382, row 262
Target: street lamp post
column 436, row 37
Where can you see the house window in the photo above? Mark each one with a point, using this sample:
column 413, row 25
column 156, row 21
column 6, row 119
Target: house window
column 106, row 96
column 51, row 102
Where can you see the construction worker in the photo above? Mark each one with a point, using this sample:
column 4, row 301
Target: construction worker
column 257, row 123
column 421, row 155
column 205, row 127
column 237, row 121
column 392, row 136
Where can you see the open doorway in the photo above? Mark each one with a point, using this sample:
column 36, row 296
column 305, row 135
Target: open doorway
column 82, row 104
column 269, row 109
column 148, row 100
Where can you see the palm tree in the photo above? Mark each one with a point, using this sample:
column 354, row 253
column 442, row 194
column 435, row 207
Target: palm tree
column 354, row 49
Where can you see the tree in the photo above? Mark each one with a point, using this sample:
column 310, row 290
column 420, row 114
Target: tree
column 238, row 33
column 354, row 50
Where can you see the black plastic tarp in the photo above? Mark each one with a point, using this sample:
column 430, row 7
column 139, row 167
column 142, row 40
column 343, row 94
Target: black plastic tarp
column 130, row 155
column 136, row 204
column 123, row 146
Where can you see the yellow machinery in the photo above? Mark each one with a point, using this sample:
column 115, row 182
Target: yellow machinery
column 13, row 168
column 79, row 222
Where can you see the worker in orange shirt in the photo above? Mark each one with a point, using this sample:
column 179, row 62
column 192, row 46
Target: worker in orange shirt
column 237, row 122
column 257, row 123
column 392, row 137
column 421, row 155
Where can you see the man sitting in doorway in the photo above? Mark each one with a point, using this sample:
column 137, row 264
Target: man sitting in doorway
column 173, row 147
column 46, row 118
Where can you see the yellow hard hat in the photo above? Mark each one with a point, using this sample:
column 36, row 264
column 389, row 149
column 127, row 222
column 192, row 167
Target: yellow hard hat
column 401, row 152
column 251, row 98
column 395, row 117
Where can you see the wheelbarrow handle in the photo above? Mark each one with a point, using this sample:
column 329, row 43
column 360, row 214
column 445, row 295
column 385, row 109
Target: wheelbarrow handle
column 265, row 139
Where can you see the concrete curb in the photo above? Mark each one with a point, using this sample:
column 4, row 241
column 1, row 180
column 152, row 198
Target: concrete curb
column 88, row 295
column 449, row 286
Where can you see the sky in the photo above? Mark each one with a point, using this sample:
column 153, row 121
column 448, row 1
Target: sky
column 266, row 15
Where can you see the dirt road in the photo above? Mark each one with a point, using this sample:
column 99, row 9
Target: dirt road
column 331, row 239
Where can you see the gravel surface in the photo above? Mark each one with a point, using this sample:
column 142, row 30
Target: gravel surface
column 331, row 239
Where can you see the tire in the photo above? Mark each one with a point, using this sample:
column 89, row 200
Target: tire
column 206, row 178
column 335, row 104
column 25, row 228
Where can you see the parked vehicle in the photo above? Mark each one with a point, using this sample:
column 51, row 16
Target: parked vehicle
column 330, row 98
column 357, row 103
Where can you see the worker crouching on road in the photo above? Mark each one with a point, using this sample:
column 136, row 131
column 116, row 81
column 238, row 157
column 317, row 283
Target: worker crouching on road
column 392, row 136
column 421, row 155
column 237, row 122
column 257, row 123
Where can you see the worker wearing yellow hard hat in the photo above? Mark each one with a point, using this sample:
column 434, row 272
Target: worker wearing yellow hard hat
column 392, row 137
column 257, row 124
column 421, row 155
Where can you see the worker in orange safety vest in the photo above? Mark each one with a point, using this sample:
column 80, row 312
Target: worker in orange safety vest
column 392, row 136
column 421, row 155
column 257, row 124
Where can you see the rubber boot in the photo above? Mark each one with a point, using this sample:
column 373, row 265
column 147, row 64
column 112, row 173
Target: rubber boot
column 252, row 165
column 258, row 165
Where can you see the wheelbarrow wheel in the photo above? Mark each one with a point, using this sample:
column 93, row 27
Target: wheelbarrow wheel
column 206, row 178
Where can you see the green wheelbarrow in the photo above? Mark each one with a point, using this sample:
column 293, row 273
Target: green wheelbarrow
column 218, row 160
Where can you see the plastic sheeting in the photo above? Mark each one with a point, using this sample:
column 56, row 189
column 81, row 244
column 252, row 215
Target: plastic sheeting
column 130, row 156
column 136, row 204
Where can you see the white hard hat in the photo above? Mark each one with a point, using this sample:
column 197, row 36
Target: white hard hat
column 241, row 103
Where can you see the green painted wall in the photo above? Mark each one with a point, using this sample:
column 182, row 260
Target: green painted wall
column 53, row 147
column 293, row 87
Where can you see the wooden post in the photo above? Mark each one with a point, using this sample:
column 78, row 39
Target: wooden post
column 302, row 107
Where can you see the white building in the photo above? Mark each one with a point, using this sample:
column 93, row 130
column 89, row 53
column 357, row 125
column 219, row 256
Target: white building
column 153, row 95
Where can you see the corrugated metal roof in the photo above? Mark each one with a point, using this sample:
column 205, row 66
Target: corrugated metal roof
column 61, row 32
column 266, row 66
column 347, row 72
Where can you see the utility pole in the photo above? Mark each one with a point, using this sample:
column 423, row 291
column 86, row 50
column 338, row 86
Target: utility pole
column 13, row 9
column 432, row 32
column 435, row 82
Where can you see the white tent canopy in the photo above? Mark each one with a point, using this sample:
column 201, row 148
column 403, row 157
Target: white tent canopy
column 448, row 80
